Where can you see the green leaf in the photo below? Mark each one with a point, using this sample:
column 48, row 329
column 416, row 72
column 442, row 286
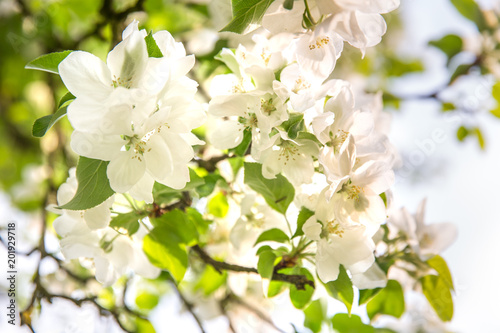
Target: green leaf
column 344, row 323
column 93, row 185
column 218, row 205
column 48, row 62
column 367, row 294
column 304, row 215
column 480, row 137
column 294, row 125
column 246, row 12
column 66, row 98
column 146, row 300
column 439, row 264
column 236, row 164
column 288, row 4
column 276, row 288
column 445, row 107
column 315, row 314
column 265, row 266
column 201, row 224
column 278, row 192
column 43, row 124
column 459, row 71
column 179, row 224
column 153, row 49
column 274, row 234
column 495, row 91
column 127, row 223
column 471, row 10
column 300, row 298
column 144, row 326
column 462, row 133
column 242, row 148
column 341, row 289
column 210, row 181
column 389, row 301
column 437, row 291
column 167, row 251
column 451, row 45
column 210, row 280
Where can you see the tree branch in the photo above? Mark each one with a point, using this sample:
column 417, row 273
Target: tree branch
column 189, row 307
column 300, row 281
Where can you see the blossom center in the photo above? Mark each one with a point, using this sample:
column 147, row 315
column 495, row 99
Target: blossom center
column 337, row 140
column 300, row 84
column 287, row 151
column 320, row 42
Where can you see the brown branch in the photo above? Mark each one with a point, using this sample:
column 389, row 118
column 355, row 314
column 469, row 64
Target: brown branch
column 189, row 307
column 300, row 281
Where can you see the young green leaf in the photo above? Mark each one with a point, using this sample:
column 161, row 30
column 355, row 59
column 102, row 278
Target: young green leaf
column 93, row 185
column 278, row 192
column 389, row 301
column 218, row 205
column 451, row 45
column 437, row 291
column 304, row 215
column 344, row 323
column 471, row 10
column 246, row 12
column 127, row 223
column 315, row 314
column 146, row 300
column 210, row 280
column 275, row 235
column 265, row 266
column 367, row 294
column 439, row 264
column 167, row 251
column 241, row 149
column 48, row 62
column 178, row 224
column 300, row 298
column 43, row 124
column 153, row 49
column 341, row 289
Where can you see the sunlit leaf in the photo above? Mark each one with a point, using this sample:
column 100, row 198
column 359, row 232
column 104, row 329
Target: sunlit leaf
column 48, row 62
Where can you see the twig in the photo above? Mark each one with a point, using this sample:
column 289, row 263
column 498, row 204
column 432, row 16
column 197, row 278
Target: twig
column 189, row 307
column 300, row 281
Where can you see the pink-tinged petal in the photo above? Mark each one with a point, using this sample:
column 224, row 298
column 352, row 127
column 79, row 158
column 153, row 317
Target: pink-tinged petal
column 86, row 76
column 125, row 170
column 143, row 190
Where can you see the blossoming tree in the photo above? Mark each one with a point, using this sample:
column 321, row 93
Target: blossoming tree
column 250, row 171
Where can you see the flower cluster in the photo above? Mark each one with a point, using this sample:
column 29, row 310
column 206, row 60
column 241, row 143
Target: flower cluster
column 135, row 111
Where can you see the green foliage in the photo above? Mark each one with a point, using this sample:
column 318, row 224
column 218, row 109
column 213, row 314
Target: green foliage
column 462, row 69
column 197, row 220
column 278, row 192
column 274, row 234
column 48, row 62
column 178, row 223
column 246, row 12
column 265, row 265
column 344, row 323
column 165, row 195
column 304, row 215
column 389, row 301
column 146, row 300
column 367, row 294
column 438, row 293
column 210, row 280
column 218, row 205
column 300, row 298
column 153, row 49
column 144, row 326
column 451, row 45
column 495, row 91
column 241, row 149
column 464, row 132
column 294, row 125
column 210, row 181
column 166, row 250
column 42, row 125
column 315, row 314
column 439, row 264
column 471, row 11
column 127, row 223
column 93, row 185
column 341, row 289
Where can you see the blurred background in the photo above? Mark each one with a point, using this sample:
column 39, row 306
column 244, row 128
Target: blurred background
column 437, row 67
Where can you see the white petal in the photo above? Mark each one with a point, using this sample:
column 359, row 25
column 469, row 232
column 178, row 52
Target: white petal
column 86, row 76
column 124, row 171
column 312, row 229
column 99, row 216
column 373, row 278
column 143, row 190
